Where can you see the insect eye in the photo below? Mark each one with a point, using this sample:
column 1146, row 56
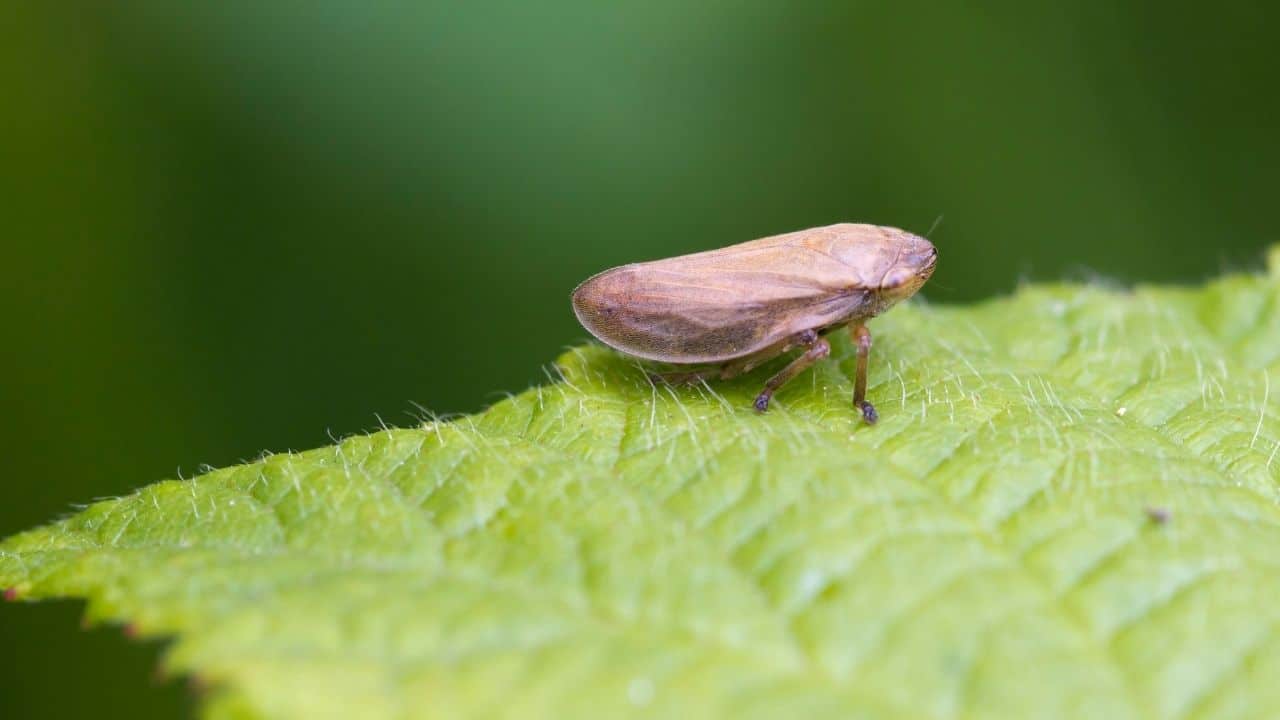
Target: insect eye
column 896, row 278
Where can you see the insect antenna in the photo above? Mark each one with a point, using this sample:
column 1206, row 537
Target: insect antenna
column 934, row 226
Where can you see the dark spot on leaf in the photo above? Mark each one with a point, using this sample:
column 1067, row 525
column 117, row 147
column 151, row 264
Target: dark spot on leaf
column 198, row 684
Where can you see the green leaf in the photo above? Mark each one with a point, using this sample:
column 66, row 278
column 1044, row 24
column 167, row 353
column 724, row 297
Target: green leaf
column 1068, row 509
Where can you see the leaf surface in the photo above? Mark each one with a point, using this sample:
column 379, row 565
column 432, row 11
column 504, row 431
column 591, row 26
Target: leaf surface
column 1069, row 509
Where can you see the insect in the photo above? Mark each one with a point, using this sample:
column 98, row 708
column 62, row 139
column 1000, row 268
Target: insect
column 726, row 311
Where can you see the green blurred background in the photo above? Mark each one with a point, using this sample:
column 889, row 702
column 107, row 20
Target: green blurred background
column 232, row 227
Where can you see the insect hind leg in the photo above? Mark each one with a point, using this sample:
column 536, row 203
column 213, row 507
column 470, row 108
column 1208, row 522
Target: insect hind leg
column 817, row 349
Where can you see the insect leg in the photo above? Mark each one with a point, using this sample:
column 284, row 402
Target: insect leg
column 862, row 340
column 818, row 348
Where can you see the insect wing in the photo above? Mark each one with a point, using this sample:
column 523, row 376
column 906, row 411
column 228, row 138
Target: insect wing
column 718, row 305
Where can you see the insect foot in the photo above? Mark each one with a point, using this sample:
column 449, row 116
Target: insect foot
column 762, row 402
column 868, row 412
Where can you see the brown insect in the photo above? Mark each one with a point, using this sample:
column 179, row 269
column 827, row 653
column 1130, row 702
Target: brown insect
column 735, row 308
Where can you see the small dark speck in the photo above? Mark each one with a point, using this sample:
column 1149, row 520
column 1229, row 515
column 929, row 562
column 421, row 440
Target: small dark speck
column 1159, row 515
column 198, row 684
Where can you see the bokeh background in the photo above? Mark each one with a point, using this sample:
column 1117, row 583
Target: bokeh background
column 238, row 226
